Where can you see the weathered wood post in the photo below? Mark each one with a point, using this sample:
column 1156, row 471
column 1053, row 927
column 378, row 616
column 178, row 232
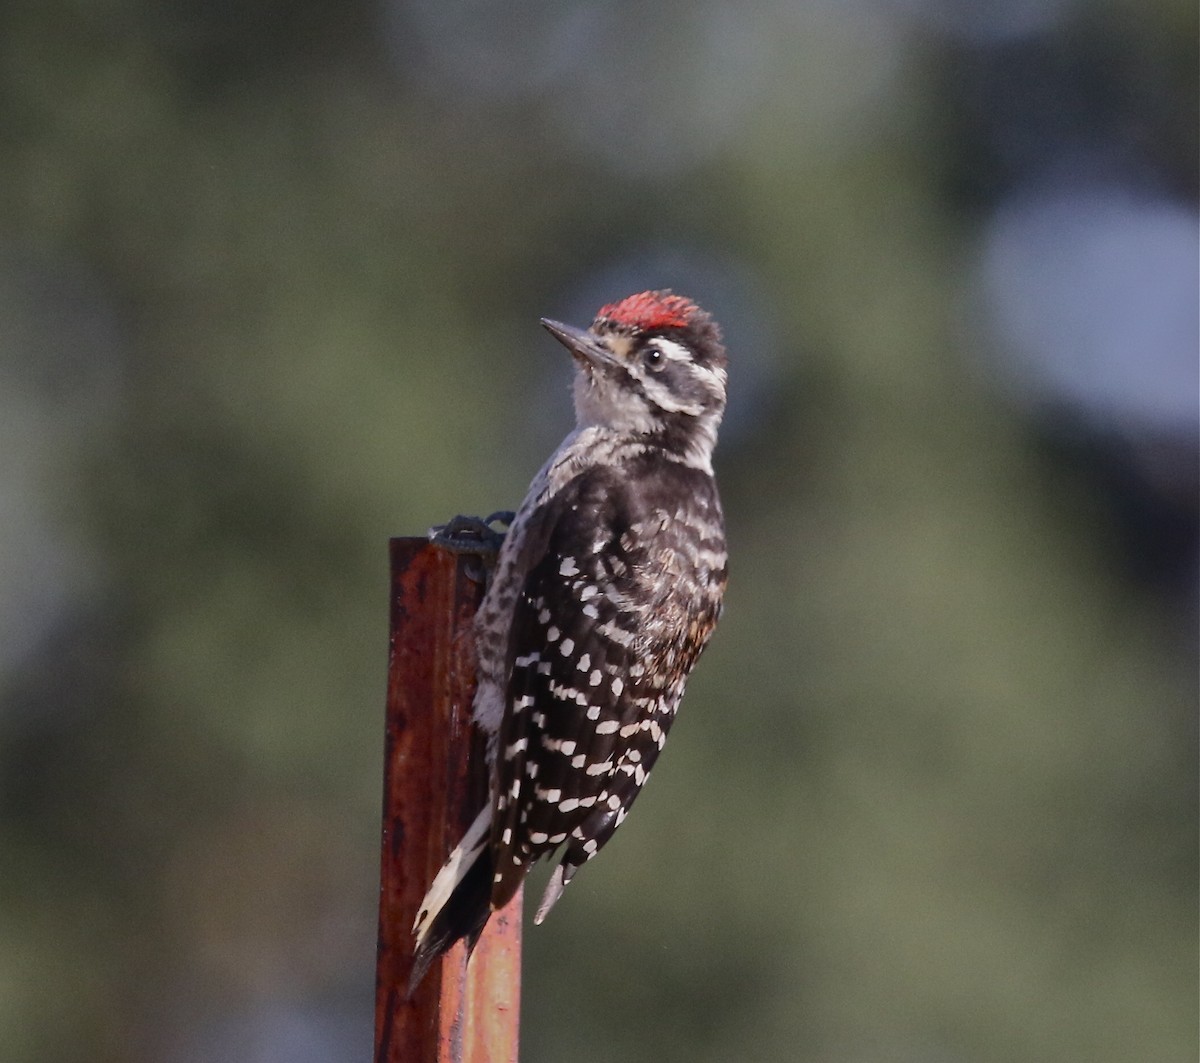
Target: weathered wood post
column 433, row 784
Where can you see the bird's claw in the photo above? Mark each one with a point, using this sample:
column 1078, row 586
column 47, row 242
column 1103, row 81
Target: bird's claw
column 473, row 535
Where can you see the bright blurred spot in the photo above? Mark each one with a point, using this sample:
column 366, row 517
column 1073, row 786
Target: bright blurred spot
column 1092, row 294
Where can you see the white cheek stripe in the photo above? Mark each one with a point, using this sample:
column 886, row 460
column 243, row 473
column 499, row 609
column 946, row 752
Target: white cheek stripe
column 677, row 352
column 714, row 377
column 717, row 376
column 663, row 398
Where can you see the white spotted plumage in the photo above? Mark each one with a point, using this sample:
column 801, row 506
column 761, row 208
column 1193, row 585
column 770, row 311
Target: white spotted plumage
column 605, row 591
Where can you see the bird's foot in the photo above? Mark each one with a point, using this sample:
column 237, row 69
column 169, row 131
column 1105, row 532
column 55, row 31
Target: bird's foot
column 475, row 536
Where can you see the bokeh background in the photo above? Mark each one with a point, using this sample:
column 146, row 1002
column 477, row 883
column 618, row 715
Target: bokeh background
column 270, row 275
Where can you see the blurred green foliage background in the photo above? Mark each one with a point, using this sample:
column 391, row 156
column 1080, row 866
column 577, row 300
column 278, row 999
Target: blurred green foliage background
column 270, row 276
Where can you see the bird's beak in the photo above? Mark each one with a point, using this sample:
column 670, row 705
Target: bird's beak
column 585, row 348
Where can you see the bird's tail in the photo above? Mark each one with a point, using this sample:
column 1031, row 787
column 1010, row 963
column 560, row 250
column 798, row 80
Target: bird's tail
column 458, row 902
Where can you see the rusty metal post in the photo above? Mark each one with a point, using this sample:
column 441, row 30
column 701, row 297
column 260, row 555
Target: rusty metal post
column 462, row 1013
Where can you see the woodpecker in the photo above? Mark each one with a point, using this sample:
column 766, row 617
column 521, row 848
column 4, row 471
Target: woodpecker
column 605, row 590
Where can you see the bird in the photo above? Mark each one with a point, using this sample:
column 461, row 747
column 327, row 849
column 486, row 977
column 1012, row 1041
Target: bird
column 604, row 591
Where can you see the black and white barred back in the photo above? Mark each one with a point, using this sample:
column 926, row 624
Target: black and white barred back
column 605, row 591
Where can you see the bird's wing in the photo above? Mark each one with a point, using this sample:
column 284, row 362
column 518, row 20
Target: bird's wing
column 573, row 644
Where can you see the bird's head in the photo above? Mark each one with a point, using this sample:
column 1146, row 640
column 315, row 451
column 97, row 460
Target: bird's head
column 651, row 365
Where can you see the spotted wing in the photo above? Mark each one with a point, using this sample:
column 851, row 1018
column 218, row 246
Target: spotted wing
column 604, row 632
column 571, row 647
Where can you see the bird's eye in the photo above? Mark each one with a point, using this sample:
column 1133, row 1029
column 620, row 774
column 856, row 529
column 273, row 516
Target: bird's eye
column 653, row 358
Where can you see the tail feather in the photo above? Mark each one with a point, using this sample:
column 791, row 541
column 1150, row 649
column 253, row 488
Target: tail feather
column 554, row 889
column 458, row 902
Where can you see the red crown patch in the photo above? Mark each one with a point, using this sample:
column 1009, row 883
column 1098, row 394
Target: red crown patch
column 650, row 312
